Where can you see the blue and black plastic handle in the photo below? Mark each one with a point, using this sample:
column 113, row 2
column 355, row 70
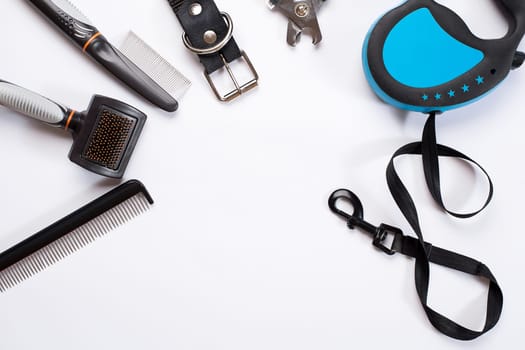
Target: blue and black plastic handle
column 421, row 56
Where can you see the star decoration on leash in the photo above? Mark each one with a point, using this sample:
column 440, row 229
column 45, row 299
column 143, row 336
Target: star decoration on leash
column 480, row 80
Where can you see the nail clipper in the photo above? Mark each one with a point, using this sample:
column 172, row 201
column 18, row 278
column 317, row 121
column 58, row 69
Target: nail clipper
column 302, row 16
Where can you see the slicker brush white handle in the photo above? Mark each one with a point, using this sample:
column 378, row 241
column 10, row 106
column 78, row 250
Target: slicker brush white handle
column 31, row 104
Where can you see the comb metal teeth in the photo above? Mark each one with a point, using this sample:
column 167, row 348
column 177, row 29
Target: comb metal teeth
column 73, row 241
column 154, row 65
column 72, row 10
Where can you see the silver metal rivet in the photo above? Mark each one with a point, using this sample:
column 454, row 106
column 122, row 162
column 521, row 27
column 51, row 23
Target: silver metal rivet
column 302, row 9
column 195, row 9
column 210, row 37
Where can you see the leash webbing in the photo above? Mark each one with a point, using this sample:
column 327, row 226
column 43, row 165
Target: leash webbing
column 416, row 247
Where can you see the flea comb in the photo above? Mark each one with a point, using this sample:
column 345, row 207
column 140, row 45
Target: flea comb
column 84, row 34
column 421, row 56
column 73, row 232
column 104, row 136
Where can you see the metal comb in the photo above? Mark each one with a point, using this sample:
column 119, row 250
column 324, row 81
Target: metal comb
column 65, row 16
column 155, row 66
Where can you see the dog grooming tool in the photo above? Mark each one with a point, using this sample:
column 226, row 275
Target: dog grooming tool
column 73, row 232
column 155, row 66
column 77, row 27
column 302, row 16
column 421, row 56
column 104, row 136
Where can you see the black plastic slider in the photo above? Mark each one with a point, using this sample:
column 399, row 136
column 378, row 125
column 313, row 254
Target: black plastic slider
column 380, row 234
column 519, row 58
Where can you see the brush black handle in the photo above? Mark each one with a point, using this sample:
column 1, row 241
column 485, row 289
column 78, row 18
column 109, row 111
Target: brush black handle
column 71, row 222
column 80, row 30
column 33, row 105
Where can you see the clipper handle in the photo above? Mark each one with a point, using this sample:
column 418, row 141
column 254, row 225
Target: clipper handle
column 32, row 104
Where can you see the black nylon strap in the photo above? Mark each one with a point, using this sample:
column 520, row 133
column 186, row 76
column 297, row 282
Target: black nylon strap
column 425, row 253
column 429, row 152
column 195, row 26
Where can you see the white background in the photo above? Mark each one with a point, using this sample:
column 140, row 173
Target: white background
column 240, row 250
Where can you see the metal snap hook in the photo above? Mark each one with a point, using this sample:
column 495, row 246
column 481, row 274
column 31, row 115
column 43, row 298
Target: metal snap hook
column 349, row 196
column 355, row 220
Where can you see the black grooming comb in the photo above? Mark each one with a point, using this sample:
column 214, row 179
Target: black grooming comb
column 104, row 136
column 73, row 232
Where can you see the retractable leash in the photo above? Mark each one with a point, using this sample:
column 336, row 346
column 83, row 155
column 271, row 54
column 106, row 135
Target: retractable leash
column 422, row 57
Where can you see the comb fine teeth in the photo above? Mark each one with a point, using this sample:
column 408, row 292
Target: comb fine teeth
column 68, row 7
column 154, row 65
column 109, row 139
column 73, row 241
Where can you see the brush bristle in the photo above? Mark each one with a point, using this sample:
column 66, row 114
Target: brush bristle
column 73, row 241
column 160, row 70
column 109, row 139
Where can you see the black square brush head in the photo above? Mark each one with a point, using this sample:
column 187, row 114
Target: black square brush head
column 105, row 136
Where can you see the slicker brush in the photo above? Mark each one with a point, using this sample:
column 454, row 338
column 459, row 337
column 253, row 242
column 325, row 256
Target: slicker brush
column 104, row 136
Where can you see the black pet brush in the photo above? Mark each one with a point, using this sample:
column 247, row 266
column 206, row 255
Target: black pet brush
column 104, row 136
